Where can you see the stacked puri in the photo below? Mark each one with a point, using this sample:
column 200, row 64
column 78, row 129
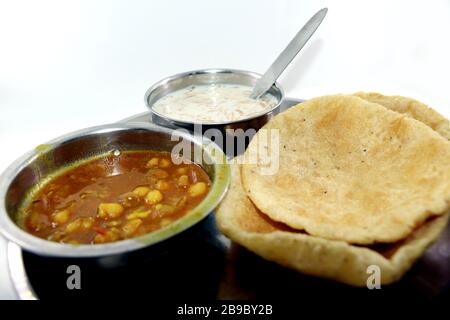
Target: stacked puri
column 362, row 180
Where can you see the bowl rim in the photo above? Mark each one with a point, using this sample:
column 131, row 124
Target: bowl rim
column 12, row 232
column 168, row 79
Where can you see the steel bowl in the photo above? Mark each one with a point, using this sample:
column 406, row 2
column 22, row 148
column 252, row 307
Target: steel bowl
column 44, row 160
column 205, row 77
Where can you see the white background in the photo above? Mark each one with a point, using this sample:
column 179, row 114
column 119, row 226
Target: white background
column 65, row 65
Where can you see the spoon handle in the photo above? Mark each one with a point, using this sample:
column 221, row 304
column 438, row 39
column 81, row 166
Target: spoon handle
column 285, row 57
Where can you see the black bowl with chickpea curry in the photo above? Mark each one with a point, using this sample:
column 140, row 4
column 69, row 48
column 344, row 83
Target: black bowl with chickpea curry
column 110, row 189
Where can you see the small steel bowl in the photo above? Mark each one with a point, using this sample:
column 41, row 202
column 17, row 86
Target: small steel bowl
column 205, row 77
column 31, row 168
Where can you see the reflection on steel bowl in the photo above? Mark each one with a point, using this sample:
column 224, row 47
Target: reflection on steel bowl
column 130, row 151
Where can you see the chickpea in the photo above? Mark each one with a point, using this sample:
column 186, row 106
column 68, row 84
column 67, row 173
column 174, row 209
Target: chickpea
column 131, row 226
column 56, row 236
column 73, row 226
column 139, row 214
column 164, row 209
column 162, row 185
column 113, row 223
column 158, row 173
column 153, row 162
column 164, row 222
column 111, row 235
column 99, row 238
column 164, row 163
column 110, row 210
column 61, row 217
column 183, row 180
column 87, row 223
column 79, row 223
column 197, row 189
column 141, row 191
column 154, row 197
column 182, row 170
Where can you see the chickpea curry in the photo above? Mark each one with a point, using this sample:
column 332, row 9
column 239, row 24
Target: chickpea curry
column 115, row 197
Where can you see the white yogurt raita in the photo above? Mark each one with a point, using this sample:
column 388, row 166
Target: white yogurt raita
column 213, row 103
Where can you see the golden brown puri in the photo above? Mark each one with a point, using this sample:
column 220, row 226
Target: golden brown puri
column 242, row 222
column 411, row 108
column 351, row 170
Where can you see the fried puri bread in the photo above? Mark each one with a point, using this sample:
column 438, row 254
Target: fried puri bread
column 411, row 108
column 350, row 170
column 240, row 220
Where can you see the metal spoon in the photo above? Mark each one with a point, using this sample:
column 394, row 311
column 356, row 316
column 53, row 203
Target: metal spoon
column 285, row 57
